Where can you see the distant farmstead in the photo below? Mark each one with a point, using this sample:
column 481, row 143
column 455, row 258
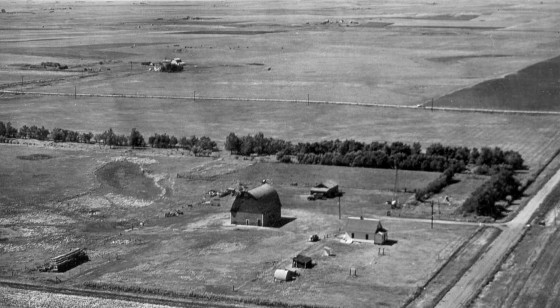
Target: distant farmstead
column 326, row 188
column 257, row 207
column 366, row 229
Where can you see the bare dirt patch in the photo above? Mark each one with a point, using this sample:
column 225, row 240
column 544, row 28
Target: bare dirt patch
column 35, row 157
column 127, row 179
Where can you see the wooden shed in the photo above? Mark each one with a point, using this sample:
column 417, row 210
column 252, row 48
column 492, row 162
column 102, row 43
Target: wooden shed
column 301, row 261
column 367, row 229
column 328, row 188
column 258, row 207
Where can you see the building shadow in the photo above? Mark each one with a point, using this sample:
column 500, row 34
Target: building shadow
column 390, row 242
column 283, row 221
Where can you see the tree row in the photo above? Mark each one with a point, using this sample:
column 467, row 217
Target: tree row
column 436, row 157
column 202, row 146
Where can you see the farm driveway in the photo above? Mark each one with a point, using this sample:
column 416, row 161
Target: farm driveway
column 467, row 287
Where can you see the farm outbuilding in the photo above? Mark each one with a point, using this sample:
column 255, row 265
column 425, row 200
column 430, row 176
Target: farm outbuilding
column 328, row 188
column 301, row 261
column 366, row 229
column 284, row 275
column 258, row 207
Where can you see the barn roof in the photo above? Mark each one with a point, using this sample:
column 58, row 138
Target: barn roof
column 327, row 184
column 262, row 191
column 257, row 200
column 358, row 224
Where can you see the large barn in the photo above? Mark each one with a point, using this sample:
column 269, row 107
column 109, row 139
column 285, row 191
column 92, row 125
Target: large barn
column 326, row 188
column 258, row 207
column 366, row 229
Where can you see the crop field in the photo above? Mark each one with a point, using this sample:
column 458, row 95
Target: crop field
column 533, row 88
column 331, row 50
column 14, row 298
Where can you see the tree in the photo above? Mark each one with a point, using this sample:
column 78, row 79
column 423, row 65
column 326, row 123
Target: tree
column 513, row 159
column 173, row 141
column 57, row 135
column 136, row 139
column 232, row 143
column 2, row 129
column 24, row 132
column 110, row 138
column 416, row 148
column 11, row 132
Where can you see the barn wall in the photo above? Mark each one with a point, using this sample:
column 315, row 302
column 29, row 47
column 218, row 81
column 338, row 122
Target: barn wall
column 241, row 217
column 362, row 235
column 270, row 218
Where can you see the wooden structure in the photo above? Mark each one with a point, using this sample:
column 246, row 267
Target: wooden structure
column 68, row 260
column 301, row 261
column 366, row 229
column 257, row 207
column 326, row 188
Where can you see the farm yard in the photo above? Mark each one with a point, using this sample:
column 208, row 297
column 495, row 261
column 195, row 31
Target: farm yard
column 150, row 219
column 116, row 213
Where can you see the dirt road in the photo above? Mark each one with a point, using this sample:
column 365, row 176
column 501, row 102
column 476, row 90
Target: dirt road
column 471, row 282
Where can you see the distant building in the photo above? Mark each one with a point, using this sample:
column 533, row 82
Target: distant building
column 366, row 229
column 327, row 188
column 258, row 207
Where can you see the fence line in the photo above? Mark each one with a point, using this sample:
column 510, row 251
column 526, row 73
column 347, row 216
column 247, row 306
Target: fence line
column 298, row 101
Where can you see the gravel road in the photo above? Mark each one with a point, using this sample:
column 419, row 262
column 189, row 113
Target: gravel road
column 473, row 280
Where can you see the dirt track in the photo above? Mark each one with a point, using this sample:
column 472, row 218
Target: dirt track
column 469, row 285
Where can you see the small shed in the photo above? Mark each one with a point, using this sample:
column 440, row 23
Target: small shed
column 328, row 188
column 301, row 261
column 366, row 229
column 284, row 275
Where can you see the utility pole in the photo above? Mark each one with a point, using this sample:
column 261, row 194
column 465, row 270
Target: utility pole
column 432, row 214
column 432, row 105
column 307, row 99
column 339, row 215
column 396, row 181
column 21, row 84
column 194, row 95
column 75, row 92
